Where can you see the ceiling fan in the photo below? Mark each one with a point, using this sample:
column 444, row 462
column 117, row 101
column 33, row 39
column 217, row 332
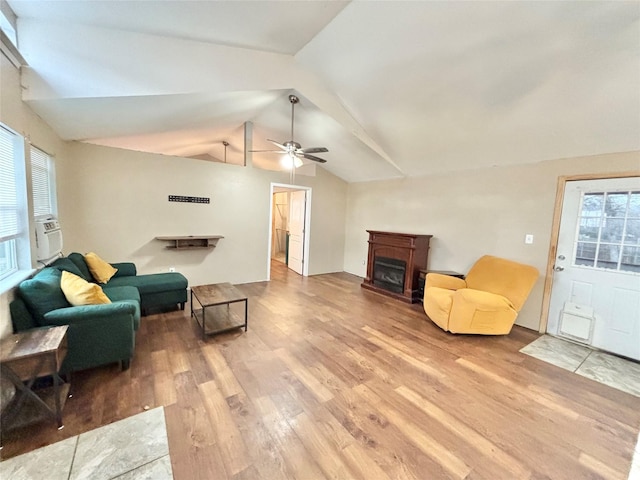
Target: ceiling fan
column 292, row 148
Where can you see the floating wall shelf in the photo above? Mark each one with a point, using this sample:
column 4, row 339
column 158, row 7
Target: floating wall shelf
column 191, row 242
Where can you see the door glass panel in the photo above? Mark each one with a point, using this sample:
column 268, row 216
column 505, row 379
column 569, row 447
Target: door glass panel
column 592, row 204
column 608, row 256
column 616, row 204
column 589, row 229
column 609, row 229
column 630, row 259
column 634, row 205
column 632, row 233
column 612, row 230
column 585, row 254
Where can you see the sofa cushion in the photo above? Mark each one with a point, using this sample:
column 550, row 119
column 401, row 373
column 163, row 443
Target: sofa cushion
column 100, row 270
column 125, row 269
column 125, row 295
column 79, row 292
column 121, row 292
column 42, row 293
column 66, row 265
column 78, row 259
column 154, row 283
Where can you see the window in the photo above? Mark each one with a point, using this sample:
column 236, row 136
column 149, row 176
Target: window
column 8, row 22
column 9, row 36
column 9, row 211
column 609, row 231
column 41, row 183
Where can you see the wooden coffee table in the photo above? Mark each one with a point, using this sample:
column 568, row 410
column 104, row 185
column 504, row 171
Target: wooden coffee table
column 215, row 314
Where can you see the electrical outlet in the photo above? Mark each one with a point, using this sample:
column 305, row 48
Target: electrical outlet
column 172, row 269
column 528, row 239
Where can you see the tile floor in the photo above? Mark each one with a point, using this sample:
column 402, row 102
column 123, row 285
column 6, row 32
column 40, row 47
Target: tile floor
column 602, row 367
column 599, row 366
column 133, row 448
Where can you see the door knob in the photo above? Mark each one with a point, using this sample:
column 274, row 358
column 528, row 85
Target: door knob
column 561, row 257
column 559, row 269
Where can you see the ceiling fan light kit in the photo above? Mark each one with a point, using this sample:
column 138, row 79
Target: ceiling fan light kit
column 290, row 161
column 292, row 150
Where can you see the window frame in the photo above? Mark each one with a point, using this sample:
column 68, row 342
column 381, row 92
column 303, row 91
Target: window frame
column 21, row 240
column 48, row 177
column 602, row 220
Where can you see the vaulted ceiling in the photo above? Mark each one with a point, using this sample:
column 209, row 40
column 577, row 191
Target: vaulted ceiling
column 390, row 88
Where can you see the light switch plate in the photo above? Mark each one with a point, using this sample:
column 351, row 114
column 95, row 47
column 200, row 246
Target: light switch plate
column 528, row 239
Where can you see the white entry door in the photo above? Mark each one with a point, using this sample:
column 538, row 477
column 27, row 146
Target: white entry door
column 297, row 207
column 595, row 297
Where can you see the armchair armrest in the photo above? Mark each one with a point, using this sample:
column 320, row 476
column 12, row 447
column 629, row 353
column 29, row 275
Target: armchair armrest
column 125, row 269
column 72, row 315
column 443, row 281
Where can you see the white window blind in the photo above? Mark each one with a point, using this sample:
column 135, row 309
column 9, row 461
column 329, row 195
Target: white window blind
column 41, row 182
column 8, row 192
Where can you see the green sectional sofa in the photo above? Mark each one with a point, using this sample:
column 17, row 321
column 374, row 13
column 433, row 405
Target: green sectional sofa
column 98, row 334
column 156, row 290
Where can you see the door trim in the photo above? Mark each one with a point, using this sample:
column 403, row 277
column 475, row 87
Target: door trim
column 555, row 231
column 307, row 224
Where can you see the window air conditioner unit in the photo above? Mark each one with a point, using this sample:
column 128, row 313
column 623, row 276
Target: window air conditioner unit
column 48, row 238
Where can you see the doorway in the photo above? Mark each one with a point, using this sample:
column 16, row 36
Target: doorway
column 594, row 294
column 289, row 227
column 280, row 226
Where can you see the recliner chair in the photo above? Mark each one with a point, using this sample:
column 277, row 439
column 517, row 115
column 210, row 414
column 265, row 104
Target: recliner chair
column 486, row 302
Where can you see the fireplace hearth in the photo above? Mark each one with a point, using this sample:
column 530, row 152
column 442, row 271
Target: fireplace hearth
column 394, row 263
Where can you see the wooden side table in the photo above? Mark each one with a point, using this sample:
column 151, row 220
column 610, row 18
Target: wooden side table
column 210, row 316
column 28, row 355
column 423, row 274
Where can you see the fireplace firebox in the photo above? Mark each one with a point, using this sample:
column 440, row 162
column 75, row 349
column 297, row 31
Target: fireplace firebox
column 394, row 263
column 389, row 273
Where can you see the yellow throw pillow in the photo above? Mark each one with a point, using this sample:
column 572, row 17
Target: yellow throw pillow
column 78, row 291
column 101, row 270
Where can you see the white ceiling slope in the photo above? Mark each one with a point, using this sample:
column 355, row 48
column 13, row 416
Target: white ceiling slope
column 390, row 88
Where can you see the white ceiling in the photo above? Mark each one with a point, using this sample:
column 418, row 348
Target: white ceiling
column 390, row 88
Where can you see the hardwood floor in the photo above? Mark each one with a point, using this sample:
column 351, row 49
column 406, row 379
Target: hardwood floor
column 333, row 381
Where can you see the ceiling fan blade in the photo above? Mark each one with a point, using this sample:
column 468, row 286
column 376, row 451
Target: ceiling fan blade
column 311, row 157
column 277, row 144
column 266, row 151
column 313, row 150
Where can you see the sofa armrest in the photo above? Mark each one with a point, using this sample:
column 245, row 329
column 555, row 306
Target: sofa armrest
column 97, row 335
column 72, row 315
column 125, row 269
column 443, row 281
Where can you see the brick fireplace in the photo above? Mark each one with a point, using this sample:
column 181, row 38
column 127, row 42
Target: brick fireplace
column 394, row 263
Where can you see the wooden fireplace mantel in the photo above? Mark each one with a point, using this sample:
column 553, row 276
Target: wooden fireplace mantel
column 410, row 248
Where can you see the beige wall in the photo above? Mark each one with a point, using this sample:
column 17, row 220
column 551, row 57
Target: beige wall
column 472, row 213
column 18, row 116
column 114, row 202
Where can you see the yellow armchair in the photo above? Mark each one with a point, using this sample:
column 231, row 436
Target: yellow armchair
column 486, row 302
